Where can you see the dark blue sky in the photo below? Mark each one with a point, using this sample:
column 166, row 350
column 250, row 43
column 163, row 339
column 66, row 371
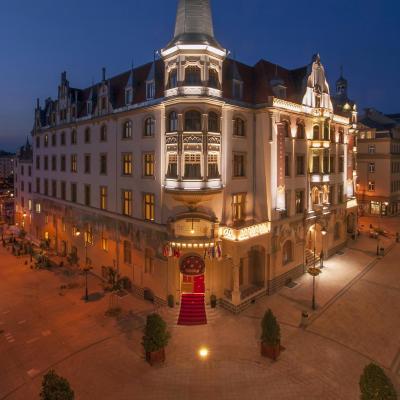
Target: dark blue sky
column 39, row 39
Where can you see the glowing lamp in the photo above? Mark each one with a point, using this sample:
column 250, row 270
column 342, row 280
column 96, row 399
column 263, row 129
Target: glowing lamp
column 203, row 353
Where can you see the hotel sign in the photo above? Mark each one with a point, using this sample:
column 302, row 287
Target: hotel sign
column 245, row 233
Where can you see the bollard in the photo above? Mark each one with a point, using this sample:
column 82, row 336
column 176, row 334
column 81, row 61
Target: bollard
column 304, row 319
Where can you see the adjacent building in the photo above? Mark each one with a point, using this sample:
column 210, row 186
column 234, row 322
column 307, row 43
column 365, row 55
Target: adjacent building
column 196, row 172
column 6, row 165
column 378, row 155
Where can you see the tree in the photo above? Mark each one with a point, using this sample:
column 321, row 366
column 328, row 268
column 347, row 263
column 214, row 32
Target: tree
column 375, row 385
column 55, row 387
column 271, row 331
column 156, row 336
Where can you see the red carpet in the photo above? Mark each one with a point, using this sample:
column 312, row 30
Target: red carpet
column 193, row 310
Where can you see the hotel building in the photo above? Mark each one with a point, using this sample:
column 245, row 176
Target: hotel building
column 196, row 172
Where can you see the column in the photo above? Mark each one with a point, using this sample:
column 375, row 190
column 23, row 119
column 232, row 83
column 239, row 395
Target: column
column 236, row 288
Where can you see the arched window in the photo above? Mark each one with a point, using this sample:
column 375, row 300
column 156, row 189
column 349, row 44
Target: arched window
column 213, row 122
column 315, row 196
column 127, row 130
column 193, row 121
column 213, row 79
column 336, row 232
column 300, row 131
column 172, row 122
column 192, row 76
column 316, row 132
column 173, row 79
column 103, row 133
column 239, row 127
column 149, row 127
column 287, row 252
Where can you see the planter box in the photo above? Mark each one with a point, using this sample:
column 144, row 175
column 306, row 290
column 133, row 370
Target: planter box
column 271, row 352
column 155, row 357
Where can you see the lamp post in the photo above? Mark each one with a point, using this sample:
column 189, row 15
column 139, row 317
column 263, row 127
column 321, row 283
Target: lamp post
column 86, row 268
column 323, row 232
column 314, row 272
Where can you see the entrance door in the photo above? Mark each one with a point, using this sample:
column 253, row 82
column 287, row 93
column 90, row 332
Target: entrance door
column 193, row 284
column 198, row 284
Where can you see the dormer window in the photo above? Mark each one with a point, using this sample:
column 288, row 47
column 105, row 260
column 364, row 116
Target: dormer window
column 89, row 107
column 237, row 89
column 213, row 79
column 150, row 90
column 193, row 76
column 128, row 96
column 173, row 79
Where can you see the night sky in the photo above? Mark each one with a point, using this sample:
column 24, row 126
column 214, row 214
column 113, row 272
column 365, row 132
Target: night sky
column 39, row 39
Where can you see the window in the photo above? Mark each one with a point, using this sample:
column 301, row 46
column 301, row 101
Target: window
column 87, row 135
column 87, row 195
column 148, row 164
column 63, row 191
column 74, row 196
column 54, row 188
column 53, row 163
column 192, row 121
column 127, row 130
column 341, row 164
column 87, row 164
column 326, row 131
column 299, row 201
column 371, row 149
column 212, row 163
column 172, row 170
column 213, row 79
column 287, row 165
column 287, row 252
column 74, row 137
column 239, row 127
column 172, row 122
column 150, row 90
column 173, row 79
column 193, row 76
column 46, row 140
column 300, row 134
column 63, row 163
column 46, row 163
column 371, row 167
column 53, row 140
column 29, row 187
column 88, row 235
column 149, row 127
column 103, row 133
column 29, row 171
column 37, row 185
column 126, row 163
column 74, row 163
column 192, row 166
column 104, row 243
column 127, row 252
column 103, row 164
column 316, row 132
column 46, row 187
column 238, row 207
column 62, row 138
column 127, row 202
column 300, row 165
column 37, row 141
column 22, row 186
column 239, row 165
column 149, row 206
column 332, row 164
column 371, row 186
column 325, row 164
column 103, row 197
column 37, row 162
column 148, row 262
column 128, row 96
column 315, row 165
column 341, row 135
column 103, row 103
column 213, row 122
column 89, row 107
column 237, row 89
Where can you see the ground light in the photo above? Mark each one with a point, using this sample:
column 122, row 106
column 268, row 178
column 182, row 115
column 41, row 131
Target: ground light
column 203, row 353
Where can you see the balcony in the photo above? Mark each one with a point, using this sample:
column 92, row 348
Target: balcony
column 317, row 177
column 320, row 144
column 193, row 91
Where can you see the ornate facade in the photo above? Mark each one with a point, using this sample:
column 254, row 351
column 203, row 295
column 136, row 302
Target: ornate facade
column 197, row 165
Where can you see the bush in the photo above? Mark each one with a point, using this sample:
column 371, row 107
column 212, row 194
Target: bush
column 156, row 336
column 213, row 301
column 171, row 301
column 375, row 385
column 55, row 387
column 271, row 331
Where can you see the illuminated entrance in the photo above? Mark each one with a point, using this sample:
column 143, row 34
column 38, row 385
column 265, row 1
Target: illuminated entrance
column 192, row 269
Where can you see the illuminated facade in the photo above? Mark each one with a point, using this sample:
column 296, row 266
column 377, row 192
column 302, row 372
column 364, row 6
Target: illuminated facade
column 197, row 165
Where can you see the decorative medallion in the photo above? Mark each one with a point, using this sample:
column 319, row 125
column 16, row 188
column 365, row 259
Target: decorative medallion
column 192, row 265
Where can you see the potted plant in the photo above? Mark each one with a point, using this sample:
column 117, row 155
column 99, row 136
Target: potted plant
column 55, row 387
column 374, row 384
column 213, row 301
column 155, row 339
column 270, row 336
column 171, row 301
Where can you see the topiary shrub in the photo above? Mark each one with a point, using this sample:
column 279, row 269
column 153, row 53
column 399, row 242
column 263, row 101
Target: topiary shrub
column 156, row 336
column 55, row 387
column 171, row 301
column 271, row 331
column 375, row 385
column 213, row 301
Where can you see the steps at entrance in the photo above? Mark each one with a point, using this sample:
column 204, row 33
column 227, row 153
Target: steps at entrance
column 311, row 258
column 192, row 310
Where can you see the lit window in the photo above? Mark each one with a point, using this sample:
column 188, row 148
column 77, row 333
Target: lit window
column 127, row 202
column 103, row 197
column 104, row 244
column 212, row 163
column 149, row 127
column 148, row 164
column 193, row 166
column 149, row 206
column 127, row 164
column 38, row 208
column 127, row 130
column 74, row 163
column 371, row 167
column 238, row 207
column 371, row 186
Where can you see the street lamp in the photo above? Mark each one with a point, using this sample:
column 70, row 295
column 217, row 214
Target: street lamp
column 323, row 232
column 314, row 272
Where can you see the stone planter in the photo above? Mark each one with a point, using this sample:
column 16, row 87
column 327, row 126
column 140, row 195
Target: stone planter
column 270, row 351
column 155, row 357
